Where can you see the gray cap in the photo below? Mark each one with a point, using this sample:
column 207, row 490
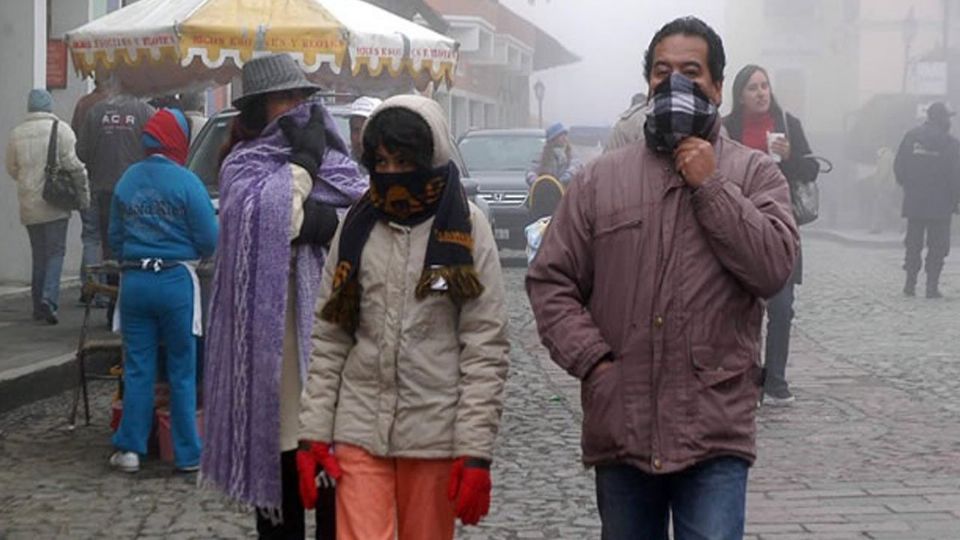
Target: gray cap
column 39, row 100
column 274, row 73
column 939, row 110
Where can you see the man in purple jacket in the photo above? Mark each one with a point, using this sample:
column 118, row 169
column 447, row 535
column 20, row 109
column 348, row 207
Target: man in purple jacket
column 649, row 288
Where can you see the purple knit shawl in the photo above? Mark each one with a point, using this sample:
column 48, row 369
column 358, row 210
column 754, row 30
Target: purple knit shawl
column 244, row 338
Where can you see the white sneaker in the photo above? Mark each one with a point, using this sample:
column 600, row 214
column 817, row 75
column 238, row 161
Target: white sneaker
column 783, row 400
column 125, row 461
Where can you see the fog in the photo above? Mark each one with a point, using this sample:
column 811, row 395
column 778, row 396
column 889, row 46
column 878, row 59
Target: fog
column 595, row 90
column 686, row 329
column 858, row 75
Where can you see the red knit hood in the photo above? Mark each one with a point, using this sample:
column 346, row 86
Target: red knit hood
column 167, row 134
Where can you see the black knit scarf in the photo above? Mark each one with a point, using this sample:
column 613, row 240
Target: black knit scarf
column 408, row 199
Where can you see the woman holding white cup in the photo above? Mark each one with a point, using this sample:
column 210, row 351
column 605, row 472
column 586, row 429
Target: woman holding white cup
column 778, row 146
column 758, row 121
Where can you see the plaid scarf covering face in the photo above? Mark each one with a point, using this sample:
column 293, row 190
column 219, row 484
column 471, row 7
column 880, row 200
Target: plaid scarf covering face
column 408, row 199
column 679, row 109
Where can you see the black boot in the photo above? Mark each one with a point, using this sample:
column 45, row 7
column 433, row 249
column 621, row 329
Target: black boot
column 910, row 288
column 933, row 285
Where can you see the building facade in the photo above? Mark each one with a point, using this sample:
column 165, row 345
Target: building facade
column 499, row 51
column 25, row 28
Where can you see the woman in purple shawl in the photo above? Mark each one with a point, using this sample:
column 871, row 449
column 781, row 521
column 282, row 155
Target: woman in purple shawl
column 284, row 176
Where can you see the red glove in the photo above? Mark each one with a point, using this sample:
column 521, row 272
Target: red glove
column 469, row 488
column 311, row 454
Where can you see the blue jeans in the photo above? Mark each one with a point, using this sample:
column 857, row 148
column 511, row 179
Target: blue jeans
column 157, row 307
column 707, row 501
column 90, row 236
column 48, row 243
column 780, row 320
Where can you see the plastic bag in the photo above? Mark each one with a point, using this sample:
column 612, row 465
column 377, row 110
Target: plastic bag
column 534, row 233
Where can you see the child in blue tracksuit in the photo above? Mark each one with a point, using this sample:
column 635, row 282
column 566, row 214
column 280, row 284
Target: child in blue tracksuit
column 161, row 223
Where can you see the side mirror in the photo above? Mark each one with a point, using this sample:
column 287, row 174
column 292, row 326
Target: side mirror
column 471, row 187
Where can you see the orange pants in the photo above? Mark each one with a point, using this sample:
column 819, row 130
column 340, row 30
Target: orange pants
column 387, row 498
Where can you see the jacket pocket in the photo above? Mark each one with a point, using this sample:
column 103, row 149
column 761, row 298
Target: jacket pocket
column 724, row 402
column 710, row 368
column 603, row 419
column 622, row 220
column 363, row 361
column 434, row 317
column 719, row 346
column 432, row 346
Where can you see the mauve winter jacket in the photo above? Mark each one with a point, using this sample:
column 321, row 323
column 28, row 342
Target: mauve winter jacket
column 669, row 283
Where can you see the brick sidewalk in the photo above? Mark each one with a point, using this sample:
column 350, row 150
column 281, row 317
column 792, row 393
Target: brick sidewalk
column 870, row 450
column 855, row 457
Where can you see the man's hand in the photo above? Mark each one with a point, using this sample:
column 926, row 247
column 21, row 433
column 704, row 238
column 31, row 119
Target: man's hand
column 601, row 366
column 695, row 160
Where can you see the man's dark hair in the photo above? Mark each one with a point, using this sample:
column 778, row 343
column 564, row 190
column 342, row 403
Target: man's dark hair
column 400, row 131
column 690, row 26
column 170, row 101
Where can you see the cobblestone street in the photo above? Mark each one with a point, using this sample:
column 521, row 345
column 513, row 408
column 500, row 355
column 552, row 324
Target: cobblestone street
column 870, row 450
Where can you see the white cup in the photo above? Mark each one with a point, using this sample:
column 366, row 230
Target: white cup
column 771, row 137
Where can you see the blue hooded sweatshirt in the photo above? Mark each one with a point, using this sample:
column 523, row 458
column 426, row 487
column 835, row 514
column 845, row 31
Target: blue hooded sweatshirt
column 160, row 209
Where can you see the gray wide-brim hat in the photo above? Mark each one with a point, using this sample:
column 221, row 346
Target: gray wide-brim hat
column 274, row 73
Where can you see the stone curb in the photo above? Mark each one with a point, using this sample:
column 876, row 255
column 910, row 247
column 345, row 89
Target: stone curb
column 848, row 239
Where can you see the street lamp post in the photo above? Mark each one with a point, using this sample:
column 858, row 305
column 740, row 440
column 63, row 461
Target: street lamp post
column 947, row 54
column 909, row 34
column 538, row 90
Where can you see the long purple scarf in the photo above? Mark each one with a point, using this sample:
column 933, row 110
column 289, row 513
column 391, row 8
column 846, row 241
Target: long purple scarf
column 244, row 343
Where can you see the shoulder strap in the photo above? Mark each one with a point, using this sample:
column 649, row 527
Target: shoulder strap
column 52, row 145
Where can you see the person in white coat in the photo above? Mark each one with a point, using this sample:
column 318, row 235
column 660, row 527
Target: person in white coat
column 46, row 224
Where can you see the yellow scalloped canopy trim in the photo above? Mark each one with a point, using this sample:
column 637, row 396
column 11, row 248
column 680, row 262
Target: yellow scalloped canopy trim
column 102, row 60
column 445, row 70
column 264, row 25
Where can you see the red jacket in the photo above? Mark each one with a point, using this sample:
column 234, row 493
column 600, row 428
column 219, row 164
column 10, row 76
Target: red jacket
column 670, row 282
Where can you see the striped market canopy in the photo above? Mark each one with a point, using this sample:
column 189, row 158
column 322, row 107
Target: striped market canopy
column 157, row 46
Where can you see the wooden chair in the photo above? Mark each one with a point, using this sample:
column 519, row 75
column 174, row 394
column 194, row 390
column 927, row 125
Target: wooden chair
column 90, row 344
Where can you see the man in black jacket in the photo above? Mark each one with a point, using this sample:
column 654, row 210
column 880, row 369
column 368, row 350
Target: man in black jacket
column 928, row 168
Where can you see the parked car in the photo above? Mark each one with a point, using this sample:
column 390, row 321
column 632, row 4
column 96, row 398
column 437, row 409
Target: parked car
column 499, row 160
column 204, row 159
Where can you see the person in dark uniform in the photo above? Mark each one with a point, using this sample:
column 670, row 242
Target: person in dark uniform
column 928, row 168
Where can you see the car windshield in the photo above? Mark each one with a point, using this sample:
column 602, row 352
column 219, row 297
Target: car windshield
column 205, row 156
column 501, row 152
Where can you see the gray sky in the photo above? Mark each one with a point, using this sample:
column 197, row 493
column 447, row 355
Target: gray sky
column 611, row 45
